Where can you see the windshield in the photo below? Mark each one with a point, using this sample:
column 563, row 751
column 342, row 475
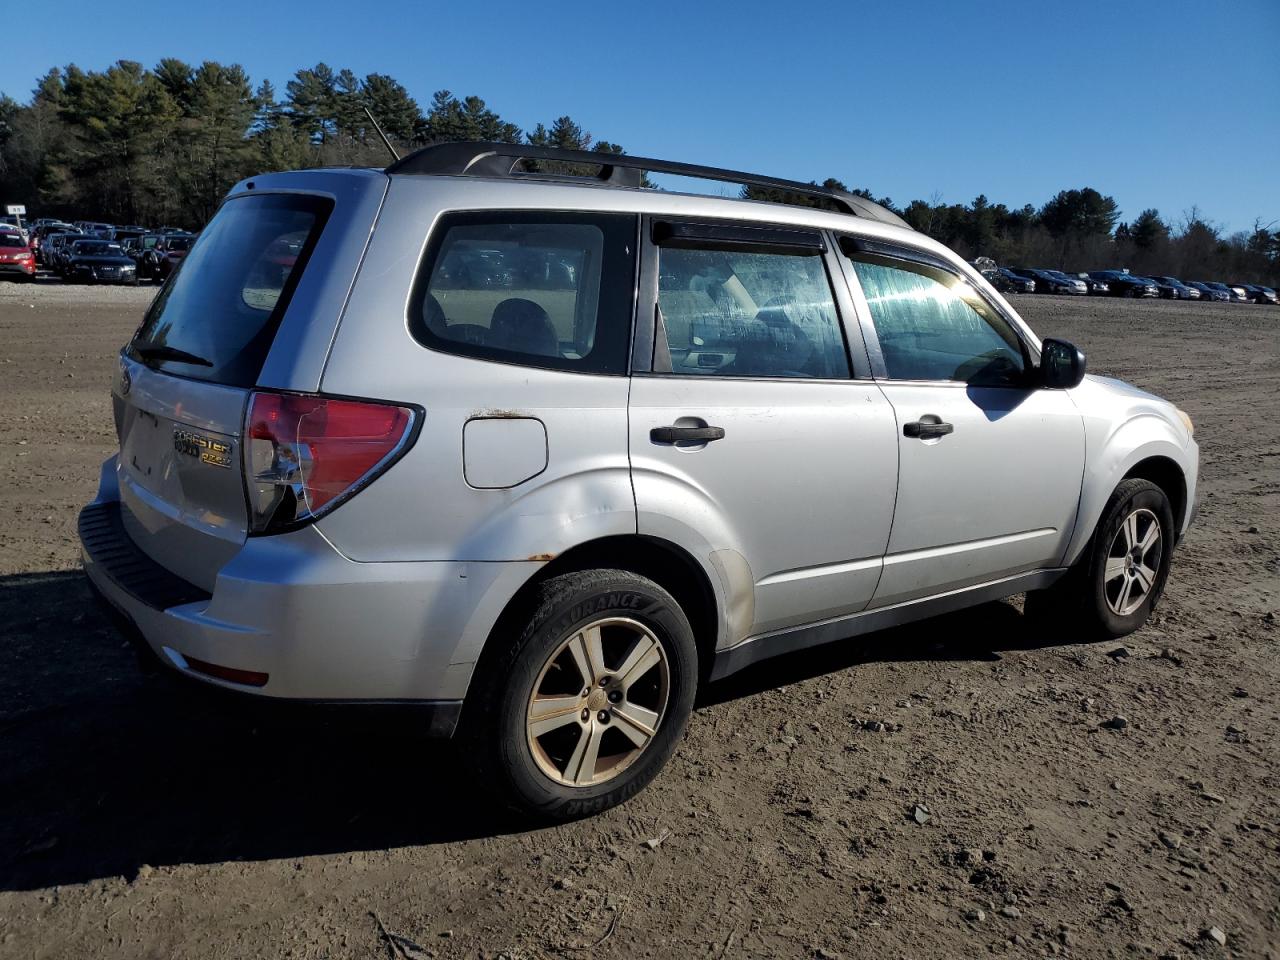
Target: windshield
column 223, row 305
column 179, row 243
column 11, row 240
column 90, row 248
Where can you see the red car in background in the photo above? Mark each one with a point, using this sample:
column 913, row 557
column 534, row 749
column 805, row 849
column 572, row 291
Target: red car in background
column 16, row 258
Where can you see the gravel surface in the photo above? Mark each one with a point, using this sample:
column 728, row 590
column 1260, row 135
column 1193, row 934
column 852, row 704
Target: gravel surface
column 960, row 787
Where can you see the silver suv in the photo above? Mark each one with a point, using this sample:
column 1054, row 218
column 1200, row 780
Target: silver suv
column 496, row 432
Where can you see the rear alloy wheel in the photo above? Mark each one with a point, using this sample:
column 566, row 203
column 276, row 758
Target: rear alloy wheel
column 587, row 704
column 591, row 714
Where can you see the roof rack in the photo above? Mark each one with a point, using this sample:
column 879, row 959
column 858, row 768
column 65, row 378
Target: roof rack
column 481, row 159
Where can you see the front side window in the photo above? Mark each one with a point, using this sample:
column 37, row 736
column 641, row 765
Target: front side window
column 932, row 325
column 739, row 313
column 539, row 289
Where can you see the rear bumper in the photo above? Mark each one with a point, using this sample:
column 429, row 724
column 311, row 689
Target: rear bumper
column 320, row 627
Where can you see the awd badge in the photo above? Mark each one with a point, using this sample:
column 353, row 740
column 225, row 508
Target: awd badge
column 216, row 453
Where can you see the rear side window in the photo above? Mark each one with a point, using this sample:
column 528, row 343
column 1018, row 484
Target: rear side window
column 216, row 317
column 540, row 289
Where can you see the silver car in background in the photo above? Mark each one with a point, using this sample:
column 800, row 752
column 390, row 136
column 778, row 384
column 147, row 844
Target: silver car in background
column 497, row 433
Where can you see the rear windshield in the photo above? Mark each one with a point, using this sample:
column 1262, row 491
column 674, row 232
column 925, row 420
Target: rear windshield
column 11, row 240
column 216, row 317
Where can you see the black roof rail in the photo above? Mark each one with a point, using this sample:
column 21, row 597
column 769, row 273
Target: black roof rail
column 482, row 159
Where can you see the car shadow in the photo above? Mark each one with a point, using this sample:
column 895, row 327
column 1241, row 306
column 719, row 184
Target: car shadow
column 980, row 633
column 105, row 767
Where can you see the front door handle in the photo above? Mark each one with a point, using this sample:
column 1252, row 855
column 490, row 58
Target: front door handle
column 926, row 428
column 678, row 434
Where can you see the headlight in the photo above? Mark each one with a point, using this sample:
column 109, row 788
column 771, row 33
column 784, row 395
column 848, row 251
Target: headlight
column 1186, row 421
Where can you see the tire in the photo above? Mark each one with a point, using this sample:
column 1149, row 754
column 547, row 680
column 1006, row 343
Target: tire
column 1089, row 597
column 546, row 663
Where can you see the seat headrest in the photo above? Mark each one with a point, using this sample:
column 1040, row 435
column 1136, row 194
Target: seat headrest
column 522, row 326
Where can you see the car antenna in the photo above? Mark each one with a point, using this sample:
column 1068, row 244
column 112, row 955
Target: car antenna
column 368, row 113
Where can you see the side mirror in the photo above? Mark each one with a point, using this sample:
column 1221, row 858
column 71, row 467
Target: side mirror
column 1061, row 364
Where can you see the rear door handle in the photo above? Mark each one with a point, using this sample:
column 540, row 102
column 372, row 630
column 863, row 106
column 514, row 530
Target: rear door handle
column 926, row 429
column 676, row 434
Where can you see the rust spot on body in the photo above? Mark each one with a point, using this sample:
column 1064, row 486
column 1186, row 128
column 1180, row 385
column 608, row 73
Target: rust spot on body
column 499, row 415
column 542, row 557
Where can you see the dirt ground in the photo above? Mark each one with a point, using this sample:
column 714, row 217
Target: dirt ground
column 139, row 822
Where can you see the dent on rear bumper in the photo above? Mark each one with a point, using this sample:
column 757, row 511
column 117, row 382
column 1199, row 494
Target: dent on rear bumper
column 327, row 628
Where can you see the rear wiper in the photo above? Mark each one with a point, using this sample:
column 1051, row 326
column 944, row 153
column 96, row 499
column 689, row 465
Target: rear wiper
column 161, row 352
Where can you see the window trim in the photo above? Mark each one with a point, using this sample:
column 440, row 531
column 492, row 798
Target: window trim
column 909, row 254
column 716, row 235
column 504, row 215
column 647, row 341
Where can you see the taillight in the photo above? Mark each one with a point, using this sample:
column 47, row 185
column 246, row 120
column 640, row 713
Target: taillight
column 303, row 454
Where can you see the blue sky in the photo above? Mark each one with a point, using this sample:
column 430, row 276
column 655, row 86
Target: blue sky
column 1164, row 104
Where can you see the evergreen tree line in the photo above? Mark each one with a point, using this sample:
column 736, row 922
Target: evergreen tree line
column 161, row 146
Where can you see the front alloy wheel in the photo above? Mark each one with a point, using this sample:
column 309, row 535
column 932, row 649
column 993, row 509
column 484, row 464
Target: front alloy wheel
column 1133, row 562
column 1118, row 580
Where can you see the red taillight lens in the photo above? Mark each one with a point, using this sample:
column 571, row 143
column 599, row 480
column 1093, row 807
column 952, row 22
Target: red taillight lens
column 304, row 454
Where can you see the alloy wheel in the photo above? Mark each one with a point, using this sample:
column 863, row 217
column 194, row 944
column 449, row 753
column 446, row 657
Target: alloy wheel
column 1133, row 562
column 598, row 702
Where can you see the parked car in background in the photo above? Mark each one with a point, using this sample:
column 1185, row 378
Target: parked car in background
column 55, row 248
column 1122, row 284
column 1257, row 294
column 1006, row 281
column 1167, row 291
column 121, row 234
column 474, row 494
column 17, row 259
column 1096, row 287
column 1210, row 293
column 98, row 261
column 1182, row 290
column 1233, row 294
column 41, row 234
column 168, row 252
column 138, row 250
column 1051, row 281
column 1077, row 287
column 24, row 230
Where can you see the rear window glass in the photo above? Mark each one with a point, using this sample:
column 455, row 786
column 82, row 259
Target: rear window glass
column 216, row 317
column 11, row 240
column 540, row 289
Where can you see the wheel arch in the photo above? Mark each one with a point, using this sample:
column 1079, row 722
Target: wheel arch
column 1158, row 459
column 1166, row 474
column 665, row 563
